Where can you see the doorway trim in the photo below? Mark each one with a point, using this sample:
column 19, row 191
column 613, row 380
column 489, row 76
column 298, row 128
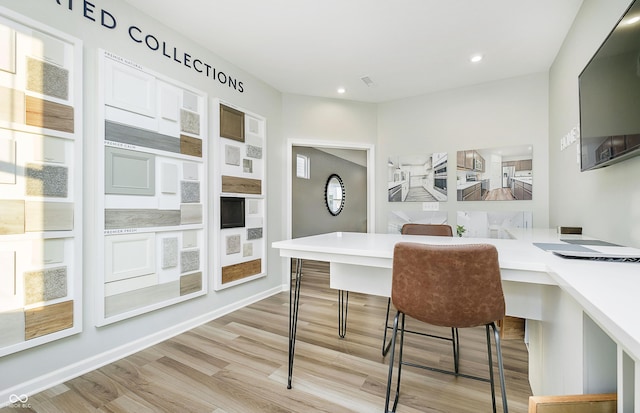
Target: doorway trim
column 312, row 143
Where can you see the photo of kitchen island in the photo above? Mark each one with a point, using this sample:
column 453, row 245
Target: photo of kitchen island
column 497, row 174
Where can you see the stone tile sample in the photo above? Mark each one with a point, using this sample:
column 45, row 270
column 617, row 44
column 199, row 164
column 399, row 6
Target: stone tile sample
column 189, row 260
column 46, row 180
column 190, row 191
column 45, row 285
column 48, row 79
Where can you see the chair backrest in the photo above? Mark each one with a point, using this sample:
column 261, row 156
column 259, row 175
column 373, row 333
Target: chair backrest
column 427, row 229
column 448, row 285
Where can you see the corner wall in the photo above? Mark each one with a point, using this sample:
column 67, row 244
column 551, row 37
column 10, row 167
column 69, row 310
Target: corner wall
column 605, row 202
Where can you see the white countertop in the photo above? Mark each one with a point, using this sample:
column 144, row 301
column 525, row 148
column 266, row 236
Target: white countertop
column 468, row 184
column 608, row 291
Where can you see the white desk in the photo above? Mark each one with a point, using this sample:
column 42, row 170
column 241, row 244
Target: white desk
column 583, row 330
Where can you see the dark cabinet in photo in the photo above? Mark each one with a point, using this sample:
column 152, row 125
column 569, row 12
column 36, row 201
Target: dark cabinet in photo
column 231, row 212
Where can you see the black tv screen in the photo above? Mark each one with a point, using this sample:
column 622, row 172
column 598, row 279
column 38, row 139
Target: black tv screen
column 610, row 96
column 231, row 212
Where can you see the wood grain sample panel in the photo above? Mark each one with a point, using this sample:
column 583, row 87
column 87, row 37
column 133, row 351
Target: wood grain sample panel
column 231, row 123
column 140, row 218
column 134, row 136
column 190, row 146
column 132, row 300
column 238, row 185
column 12, row 216
column 49, row 115
column 48, row 319
column 239, row 271
column 12, row 105
column 190, row 283
column 48, row 216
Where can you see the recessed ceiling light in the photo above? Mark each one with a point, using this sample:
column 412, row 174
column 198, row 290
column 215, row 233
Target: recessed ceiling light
column 341, row 90
column 476, row 58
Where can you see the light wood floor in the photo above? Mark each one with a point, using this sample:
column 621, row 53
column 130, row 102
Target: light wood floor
column 238, row 363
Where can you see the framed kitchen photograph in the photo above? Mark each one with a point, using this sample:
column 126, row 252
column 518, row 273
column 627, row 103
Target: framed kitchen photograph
column 496, row 174
column 417, row 178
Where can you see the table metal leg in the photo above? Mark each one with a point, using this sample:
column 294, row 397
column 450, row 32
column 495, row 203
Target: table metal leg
column 343, row 306
column 294, row 301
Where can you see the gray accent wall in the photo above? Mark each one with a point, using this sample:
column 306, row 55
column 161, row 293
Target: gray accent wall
column 605, row 202
column 310, row 215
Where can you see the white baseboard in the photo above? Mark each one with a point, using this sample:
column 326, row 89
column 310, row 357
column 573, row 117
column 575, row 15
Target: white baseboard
column 84, row 366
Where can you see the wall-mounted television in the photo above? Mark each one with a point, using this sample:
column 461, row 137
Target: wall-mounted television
column 231, row 212
column 610, row 96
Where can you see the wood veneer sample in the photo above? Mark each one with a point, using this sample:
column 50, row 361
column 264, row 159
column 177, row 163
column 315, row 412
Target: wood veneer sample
column 190, row 283
column 48, row 319
column 239, row 271
column 12, row 105
column 128, row 134
column 231, row 123
column 190, row 146
column 50, row 115
column 140, row 218
column 48, row 216
column 12, row 216
column 238, row 185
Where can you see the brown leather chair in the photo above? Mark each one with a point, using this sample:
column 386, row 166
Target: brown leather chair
column 454, row 286
column 442, row 230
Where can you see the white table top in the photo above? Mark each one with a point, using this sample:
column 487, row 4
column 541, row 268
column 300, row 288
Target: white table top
column 608, row 291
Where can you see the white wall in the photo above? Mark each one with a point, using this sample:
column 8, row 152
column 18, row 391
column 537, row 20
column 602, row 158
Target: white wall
column 504, row 113
column 27, row 371
column 605, row 202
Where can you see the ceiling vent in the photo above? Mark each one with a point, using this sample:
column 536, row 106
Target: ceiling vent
column 367, row 81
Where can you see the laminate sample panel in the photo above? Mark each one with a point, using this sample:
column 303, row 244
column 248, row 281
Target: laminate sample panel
column 48, row 216
column 48, row 319
column 12, row 217
column 12, row 105
column 190, row 146
column 231, row 123
column 8, row 47
column 129, row 255
column 46, row 180
column 235, row 184
column 136, row 299
column 47, row 149
column 45, row 285
column 140, row 218
column 189, row 261
column 139, row 137
column 190, row 192
column 130, row 284
column 169, row 252
column 47, row 79
column 190, row 283
column 189, row 122
column 191, row 214
column 168, row 178
column 12, row 327
column 239, row 271
column 129, row 172
column 49, row 115
column 7, row 161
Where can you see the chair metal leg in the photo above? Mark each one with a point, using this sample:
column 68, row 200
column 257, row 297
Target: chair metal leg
column 343, row 306
column 294, row 301
column 394, row 335
column 496, row 335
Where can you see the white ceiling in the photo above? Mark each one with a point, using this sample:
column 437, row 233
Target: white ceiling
column 407, row 47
